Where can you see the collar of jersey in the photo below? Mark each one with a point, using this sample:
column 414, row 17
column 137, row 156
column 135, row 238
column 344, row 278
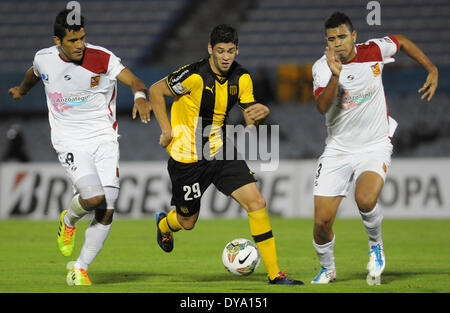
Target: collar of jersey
column 221, row 79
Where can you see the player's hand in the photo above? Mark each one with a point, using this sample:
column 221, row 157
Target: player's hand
column 165, row 138
column 15, row 92
column 144, row 108
column 333, row 61
column 430, row 85
column 257, row 111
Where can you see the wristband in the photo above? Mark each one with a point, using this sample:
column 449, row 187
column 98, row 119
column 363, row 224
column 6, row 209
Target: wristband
column 139, row 94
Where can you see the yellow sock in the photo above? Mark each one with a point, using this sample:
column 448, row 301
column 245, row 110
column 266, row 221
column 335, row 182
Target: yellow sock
column 262, row 234
column 170, row 223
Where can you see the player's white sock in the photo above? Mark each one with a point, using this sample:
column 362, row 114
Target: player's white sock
column 75, row 212
column 95, row 236
column 325, row 253
column 372, row 222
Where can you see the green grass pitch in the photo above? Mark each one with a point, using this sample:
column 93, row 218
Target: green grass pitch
column 417, row 257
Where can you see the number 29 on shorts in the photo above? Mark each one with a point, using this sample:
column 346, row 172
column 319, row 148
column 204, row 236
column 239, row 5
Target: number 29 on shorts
column 192, row 192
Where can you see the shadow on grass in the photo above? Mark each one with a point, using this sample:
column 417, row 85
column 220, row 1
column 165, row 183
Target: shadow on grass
column 106, row 277
column 226, row 277
column 123, row 277
column 388, row 277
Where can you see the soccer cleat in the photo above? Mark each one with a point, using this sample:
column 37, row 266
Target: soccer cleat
column 376, row 265
column 282, row 279
column 77, row 277
column 164, row 241
column 324, row 276
column 66, row 236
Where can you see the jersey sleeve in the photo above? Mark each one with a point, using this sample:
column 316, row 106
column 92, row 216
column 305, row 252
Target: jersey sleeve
column 389, row 46
column 36, row 69
column 115, row 66
column 180, row 81
column 321, row 76
column 246, row 97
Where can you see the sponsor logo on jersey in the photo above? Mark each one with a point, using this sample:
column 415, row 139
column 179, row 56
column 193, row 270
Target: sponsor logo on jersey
column 174, row 80
column 348, row 100
column 60, row 103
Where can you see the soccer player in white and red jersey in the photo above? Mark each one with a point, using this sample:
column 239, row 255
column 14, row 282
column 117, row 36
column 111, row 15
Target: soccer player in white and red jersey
column 80, row 83
column 348, row 90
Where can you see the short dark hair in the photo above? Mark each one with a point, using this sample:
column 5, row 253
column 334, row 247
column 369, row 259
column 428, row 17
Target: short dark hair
column 223, row 33
column 60, row 25
column 338, row 18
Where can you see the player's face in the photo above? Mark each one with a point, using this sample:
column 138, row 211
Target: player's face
column 342, row 41
column 73, row 44
column 222, row 56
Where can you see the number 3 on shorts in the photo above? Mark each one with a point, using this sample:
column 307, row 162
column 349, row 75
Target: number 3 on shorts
column 194, row 190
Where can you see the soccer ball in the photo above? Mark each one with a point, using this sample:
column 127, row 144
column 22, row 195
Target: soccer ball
column 241, row 257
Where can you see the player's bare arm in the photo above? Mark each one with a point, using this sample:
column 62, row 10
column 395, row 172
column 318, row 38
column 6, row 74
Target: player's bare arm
column 414, row 52
column 139, row 89
column 255, row 113
column 29, row 82
column 329, row 94
column 157, row 92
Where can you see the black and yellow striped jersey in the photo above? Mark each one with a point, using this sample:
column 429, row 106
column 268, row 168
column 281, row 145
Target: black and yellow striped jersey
column 200, row 109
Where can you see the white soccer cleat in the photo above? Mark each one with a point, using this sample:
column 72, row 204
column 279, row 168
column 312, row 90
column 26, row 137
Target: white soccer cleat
column 324, row 276
column 376, row 265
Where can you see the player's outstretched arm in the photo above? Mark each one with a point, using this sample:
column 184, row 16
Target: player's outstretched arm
column 29, row 82
column 157, row 92
column 413, row 51
column 139, row 89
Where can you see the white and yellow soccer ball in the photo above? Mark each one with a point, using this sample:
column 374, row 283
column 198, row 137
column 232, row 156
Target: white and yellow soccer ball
column 241, row 257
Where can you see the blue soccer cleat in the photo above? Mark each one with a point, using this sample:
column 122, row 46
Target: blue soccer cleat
column 324, row 276
column 165, row 241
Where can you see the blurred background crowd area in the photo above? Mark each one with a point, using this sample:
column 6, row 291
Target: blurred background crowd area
column 279, row 42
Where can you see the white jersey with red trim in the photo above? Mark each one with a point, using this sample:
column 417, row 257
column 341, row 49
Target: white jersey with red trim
column 81, row 98
column 359, row 115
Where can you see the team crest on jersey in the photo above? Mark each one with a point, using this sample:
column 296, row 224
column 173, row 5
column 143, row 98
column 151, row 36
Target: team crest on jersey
column 376, row 69
column 233, row 90
column 95, row 80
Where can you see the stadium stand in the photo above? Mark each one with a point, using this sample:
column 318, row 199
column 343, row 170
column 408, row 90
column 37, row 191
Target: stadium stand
column 188, row 40
column 291, row 31
column 127, row 28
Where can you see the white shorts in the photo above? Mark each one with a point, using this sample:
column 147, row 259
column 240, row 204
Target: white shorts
column 336, row 170
column 97, row 160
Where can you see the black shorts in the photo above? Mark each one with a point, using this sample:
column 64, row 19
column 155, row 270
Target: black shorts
column 190, row 181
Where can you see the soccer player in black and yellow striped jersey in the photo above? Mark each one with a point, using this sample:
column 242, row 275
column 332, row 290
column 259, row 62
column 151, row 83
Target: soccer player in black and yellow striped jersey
column 194, row 137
